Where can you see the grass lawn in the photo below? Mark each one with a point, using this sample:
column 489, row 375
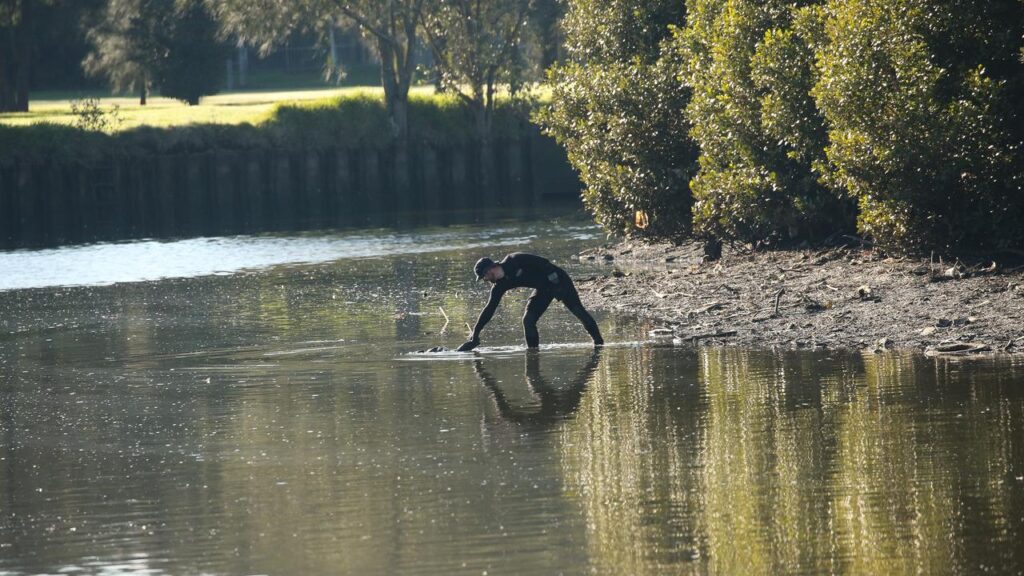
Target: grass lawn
column 229, row 108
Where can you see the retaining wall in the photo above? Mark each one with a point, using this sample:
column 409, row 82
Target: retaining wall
column 245, row 191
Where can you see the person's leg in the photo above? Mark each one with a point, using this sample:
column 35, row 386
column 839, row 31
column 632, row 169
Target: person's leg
column 535, row 308
column 572, row 302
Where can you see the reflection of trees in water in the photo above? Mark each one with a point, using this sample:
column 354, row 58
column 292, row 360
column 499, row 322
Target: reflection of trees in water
column 134, row 447
column 718, row 460
column 628, row 459
column 922, row 481
column 783, row 462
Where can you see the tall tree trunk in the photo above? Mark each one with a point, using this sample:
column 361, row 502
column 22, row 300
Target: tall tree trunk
column 394, row 99
column 401, row 115
column 6, row 70
column 23, row 57
column 335, row 65
column 243, row 65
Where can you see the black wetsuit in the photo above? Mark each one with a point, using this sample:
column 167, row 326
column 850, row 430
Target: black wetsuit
column 549, row 283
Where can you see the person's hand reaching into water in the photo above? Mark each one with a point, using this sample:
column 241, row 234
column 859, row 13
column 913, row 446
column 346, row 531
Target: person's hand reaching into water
column 469, row 345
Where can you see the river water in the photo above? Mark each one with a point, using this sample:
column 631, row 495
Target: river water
column 256, row 406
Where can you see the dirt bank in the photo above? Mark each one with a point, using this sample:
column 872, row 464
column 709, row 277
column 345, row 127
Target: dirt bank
column 841, row 297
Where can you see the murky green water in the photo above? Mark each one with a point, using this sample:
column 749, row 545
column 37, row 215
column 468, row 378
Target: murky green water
column 261, row 413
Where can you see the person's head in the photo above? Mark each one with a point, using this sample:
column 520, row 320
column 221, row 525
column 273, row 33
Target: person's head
column 487, row 269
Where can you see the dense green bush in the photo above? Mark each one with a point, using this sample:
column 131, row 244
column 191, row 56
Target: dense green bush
column 751, row 69
column 617, row 107
column 923, row 103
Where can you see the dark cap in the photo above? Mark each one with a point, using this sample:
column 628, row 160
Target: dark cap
column 482, row 266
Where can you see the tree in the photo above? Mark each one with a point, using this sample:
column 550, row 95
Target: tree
column 922, row 100
column 192, row 65
column 392, row 24
column 128, row 43
column 17, row 33
column 546, row 22
column 617, row 107
column 760, row 134
column 475, row 43
column 169, row 44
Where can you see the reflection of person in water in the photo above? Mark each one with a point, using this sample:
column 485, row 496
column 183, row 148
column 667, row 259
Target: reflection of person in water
column 555, row 404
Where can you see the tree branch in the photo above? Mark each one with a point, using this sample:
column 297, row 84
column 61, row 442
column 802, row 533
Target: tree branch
column 363, row 22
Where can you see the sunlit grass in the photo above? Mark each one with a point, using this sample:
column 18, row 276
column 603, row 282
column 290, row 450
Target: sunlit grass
column 253, row 107
column 235, row 108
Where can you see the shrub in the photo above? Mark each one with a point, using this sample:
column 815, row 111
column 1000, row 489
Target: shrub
column 617, row 108
column 922, row 100
column 750, row 66
column 90, row 116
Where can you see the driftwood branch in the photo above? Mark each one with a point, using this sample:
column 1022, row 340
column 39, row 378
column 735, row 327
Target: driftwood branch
column 704, row 336
column 778, row 296
column 444, row 329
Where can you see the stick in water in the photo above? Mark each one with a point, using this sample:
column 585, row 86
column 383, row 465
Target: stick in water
column 444, row 329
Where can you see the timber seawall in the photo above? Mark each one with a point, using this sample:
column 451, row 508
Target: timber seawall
column 218, row 191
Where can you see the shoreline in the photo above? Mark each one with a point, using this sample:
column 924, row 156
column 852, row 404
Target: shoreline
column 830, row 298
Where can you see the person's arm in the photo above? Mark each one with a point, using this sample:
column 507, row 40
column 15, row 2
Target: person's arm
column 485, row 316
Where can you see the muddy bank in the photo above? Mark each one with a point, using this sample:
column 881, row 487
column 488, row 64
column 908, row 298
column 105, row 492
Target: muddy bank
column 841, row 297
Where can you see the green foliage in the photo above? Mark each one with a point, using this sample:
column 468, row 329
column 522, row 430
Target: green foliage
column 619, row 30
column 350, row 121
column 751, row 69
column 617, row 107
column 171, row 44
column 193, row 64
column 127, row 43
column 922, row 99
column 394, row 26
column 475, row 44
column 90, row 116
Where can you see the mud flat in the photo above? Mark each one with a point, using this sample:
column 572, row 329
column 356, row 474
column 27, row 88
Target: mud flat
column 837, row 297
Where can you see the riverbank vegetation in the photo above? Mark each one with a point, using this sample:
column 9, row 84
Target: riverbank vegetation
column 125, row 113
column 190, row 49
column 358, row 119
column 900, row 120
column 769, row 123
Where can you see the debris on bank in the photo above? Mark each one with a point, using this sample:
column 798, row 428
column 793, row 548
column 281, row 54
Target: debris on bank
column 836, row 297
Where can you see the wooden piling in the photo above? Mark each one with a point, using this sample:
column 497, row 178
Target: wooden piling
column 225, row 208
column 459, row 192
column 370, row 180
column 166, row 204
column 223, row 192
column 340, row 192
column 429, row 179
column 56, row 203
column 314, row 197
column 515, row 174
column 282, row 193
column 8, row 218
column 197, row 207
column 255, row 190
column 26, row 206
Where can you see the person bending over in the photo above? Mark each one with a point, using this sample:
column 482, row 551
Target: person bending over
column 548, row 281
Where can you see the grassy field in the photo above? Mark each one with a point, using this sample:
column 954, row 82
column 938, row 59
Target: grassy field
column 231, row 108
